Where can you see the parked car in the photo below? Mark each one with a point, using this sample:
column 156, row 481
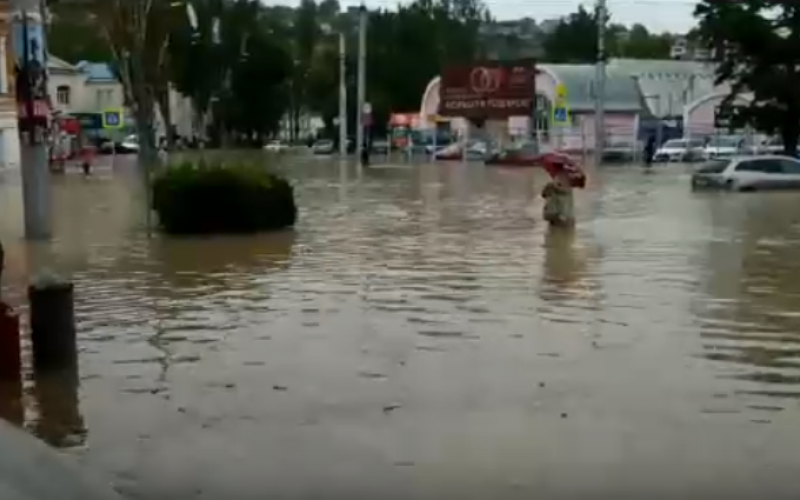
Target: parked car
column 323, row 147
column 749, row 173
column 476, row 150
column 725, row 146
column 522, row 155
column 772, row 145
column 380, row 146
column 276, row 146
column 685, row 150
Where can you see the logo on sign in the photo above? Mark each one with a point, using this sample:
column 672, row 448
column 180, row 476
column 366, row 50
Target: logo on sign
column 112, row 119
column 485, row 80
column 560, row 115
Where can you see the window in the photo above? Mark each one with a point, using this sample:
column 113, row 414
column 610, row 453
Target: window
column 714, row 167
column 62, row 95
column 750, row 166
column 789, row 167
column 104, row 98
column 767, row 166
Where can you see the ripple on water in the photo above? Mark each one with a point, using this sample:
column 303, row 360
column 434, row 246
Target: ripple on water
column 657, row 293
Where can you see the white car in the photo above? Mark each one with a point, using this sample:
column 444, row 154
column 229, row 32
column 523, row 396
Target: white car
column 773, row 145
column 680, row 150
column 748, row 173
column 276, row 146
column 130, row 143
column 725, row 146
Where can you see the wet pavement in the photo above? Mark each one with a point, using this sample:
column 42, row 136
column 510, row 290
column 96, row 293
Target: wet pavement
column 421, row 334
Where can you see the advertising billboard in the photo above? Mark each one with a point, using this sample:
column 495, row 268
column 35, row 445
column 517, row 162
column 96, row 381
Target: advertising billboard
column 488, row 90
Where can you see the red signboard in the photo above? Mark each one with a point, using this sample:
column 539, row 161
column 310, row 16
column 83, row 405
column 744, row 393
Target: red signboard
column 494, row 89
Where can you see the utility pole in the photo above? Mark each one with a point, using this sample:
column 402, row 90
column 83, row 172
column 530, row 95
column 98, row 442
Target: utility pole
column 33, row 109
column 600, row 83
column 362, row 81
column 342, row 96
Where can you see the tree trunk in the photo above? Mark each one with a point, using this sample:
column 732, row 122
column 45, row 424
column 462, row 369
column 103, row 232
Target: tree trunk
column 790, row 132
column 166, row 115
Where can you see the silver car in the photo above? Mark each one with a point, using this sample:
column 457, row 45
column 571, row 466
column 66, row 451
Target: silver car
column 748, row 173
column 680, row 150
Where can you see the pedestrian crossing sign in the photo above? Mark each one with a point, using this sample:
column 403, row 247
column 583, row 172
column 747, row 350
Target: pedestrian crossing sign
column 112, row 119
column 560, row 115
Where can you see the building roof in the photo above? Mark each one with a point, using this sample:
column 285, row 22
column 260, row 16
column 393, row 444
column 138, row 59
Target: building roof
column 622, row 93
column 97, row 72
column 60, row 66
column 667, row 85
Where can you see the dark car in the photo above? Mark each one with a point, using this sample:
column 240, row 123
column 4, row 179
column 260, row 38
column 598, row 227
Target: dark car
column 380, row 146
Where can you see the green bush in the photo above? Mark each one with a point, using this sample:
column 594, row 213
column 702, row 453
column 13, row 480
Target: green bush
column 206, row 198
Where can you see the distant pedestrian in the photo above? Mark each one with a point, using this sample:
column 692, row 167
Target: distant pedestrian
column 87, row 158
column 649, row 151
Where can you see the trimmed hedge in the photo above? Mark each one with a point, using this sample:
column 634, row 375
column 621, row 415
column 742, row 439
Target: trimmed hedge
column 208, row 198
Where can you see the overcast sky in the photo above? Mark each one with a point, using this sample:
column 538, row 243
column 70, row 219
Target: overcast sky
column 657, row 15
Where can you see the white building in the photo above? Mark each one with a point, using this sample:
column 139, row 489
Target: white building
column 93, row 88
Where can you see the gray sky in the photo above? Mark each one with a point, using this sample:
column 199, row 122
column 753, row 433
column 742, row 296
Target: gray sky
column 657, row 15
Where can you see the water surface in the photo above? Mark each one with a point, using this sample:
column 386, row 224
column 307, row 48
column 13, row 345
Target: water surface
column 422, row 334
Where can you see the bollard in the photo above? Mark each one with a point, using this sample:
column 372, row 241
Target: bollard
column 10, row 345
column 59, row 423
column 52, row 318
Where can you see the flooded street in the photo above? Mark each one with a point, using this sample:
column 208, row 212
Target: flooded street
column 422, row 334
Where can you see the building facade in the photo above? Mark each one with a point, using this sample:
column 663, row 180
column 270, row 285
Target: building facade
column 89, row 88
column 9, row 135
column 642, row 97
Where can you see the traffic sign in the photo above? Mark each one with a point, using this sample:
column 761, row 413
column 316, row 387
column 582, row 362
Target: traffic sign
column 112, row 118
column 560, row 115
column 560, row 107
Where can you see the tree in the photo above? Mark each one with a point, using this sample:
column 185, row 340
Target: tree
column 573, row 40
column 639, row 43
column 74, row 37
column 758, row 45
column 137, row 34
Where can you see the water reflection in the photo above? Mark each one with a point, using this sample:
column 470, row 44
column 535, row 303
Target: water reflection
column 217, row 263
column 57, row 417
column 11, row 403
column 565, row 268
column 752, row 321
column 435, row 292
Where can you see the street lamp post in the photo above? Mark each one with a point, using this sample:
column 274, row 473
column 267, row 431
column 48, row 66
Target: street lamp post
column 362, row 86
column 342, row 119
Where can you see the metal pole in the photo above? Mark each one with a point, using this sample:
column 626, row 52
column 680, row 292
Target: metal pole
column 600, row 87
column 362, row 80
column 342, row 96
column 34, row 164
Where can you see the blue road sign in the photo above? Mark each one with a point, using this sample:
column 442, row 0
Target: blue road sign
column 560, row 115
column 112, row 118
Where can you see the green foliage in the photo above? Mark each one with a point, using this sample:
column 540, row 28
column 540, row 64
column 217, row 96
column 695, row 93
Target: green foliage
column 245, row 75
column 574, row 40
column 758, row 43
column 206, row 198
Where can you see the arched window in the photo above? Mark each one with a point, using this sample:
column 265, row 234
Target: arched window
column 62, row 95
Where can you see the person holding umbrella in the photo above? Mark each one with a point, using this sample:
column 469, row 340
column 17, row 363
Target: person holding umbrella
column 559, row 207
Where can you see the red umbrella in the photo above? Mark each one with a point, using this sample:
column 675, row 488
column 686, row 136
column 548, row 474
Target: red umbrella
column 558, row 164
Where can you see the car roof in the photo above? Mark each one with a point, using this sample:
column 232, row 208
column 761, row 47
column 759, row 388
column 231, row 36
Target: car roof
column 763, row 157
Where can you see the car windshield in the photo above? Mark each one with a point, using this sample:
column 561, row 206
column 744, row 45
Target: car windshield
column 725, row 142
column 714, row 167
column 324, row 143
column 675, row 143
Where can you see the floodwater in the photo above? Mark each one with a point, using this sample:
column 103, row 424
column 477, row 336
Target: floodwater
column 421, row 334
